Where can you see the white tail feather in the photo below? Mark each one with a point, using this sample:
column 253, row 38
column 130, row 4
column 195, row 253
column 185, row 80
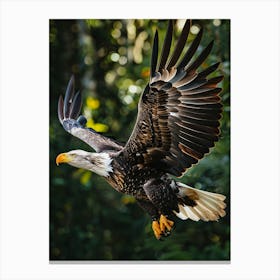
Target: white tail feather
column 182, row 214
column 191, row 214
column 209, row 206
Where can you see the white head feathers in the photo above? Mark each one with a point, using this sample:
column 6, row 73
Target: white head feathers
column 99, row 163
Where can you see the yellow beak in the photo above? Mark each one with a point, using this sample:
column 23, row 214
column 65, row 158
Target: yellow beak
column 62, row 158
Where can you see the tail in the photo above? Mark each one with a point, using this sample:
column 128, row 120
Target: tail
column 199, row 205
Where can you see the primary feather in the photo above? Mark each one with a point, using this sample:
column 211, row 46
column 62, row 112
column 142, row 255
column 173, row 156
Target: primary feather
column 179, row 111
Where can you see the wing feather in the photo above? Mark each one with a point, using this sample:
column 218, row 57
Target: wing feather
column 180, row 45
column 76, row 106
column 166, row 46
column 191, row 51
column 68, row 97
column 179, row 111
column 200, row 59
column 60, row 109
column 68, row 112
column 154, row 56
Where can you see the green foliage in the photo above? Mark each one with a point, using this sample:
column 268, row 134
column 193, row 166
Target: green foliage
column 88, row 219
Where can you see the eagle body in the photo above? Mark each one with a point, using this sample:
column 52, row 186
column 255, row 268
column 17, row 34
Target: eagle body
column 128, row 178
column 177, row 124
column 131, row 180
column 156, row 196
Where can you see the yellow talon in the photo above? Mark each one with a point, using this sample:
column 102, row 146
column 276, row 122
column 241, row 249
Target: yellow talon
column 156, row 229
column 165, row 223
column 162, row 227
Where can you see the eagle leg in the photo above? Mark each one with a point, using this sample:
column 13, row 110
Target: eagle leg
column 165, row 201
column 148, row 207
column 161, row 225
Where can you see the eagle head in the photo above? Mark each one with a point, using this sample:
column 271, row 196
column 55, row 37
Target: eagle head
column 99, row 163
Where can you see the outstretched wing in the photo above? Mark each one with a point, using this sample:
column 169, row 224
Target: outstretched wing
column 179, row 111
column 68, row 112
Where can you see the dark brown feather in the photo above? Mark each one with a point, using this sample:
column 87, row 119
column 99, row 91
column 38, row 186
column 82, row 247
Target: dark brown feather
column 180, row 45
column 191, row 51
column 200, row 59
column 166, row 46
column 154, row 56
column 68, row 97
column 179, row 111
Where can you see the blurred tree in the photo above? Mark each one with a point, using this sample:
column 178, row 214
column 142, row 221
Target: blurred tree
column 88, row 219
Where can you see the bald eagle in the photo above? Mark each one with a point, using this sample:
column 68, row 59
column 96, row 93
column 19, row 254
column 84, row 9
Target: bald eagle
column 177, row 123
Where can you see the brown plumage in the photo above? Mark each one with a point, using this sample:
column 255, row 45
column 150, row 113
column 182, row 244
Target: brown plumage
column 177, row 123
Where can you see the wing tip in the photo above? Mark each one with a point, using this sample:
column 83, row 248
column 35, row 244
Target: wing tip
column 60, row 110
column 166, row 46
column 76, row 105
column 68, row 96
column 154, row 57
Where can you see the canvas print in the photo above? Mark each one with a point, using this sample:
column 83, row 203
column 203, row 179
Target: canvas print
column 140, row 140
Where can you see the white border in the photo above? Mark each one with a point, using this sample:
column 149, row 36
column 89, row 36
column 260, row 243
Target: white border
column 24, row 138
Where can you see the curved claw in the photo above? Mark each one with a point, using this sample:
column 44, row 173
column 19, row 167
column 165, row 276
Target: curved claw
column 162, row 227
column 156, row 229
column 165, row 224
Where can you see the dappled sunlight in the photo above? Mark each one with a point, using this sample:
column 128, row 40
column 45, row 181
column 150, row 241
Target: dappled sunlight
column 99, row 127
column 93, row 103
